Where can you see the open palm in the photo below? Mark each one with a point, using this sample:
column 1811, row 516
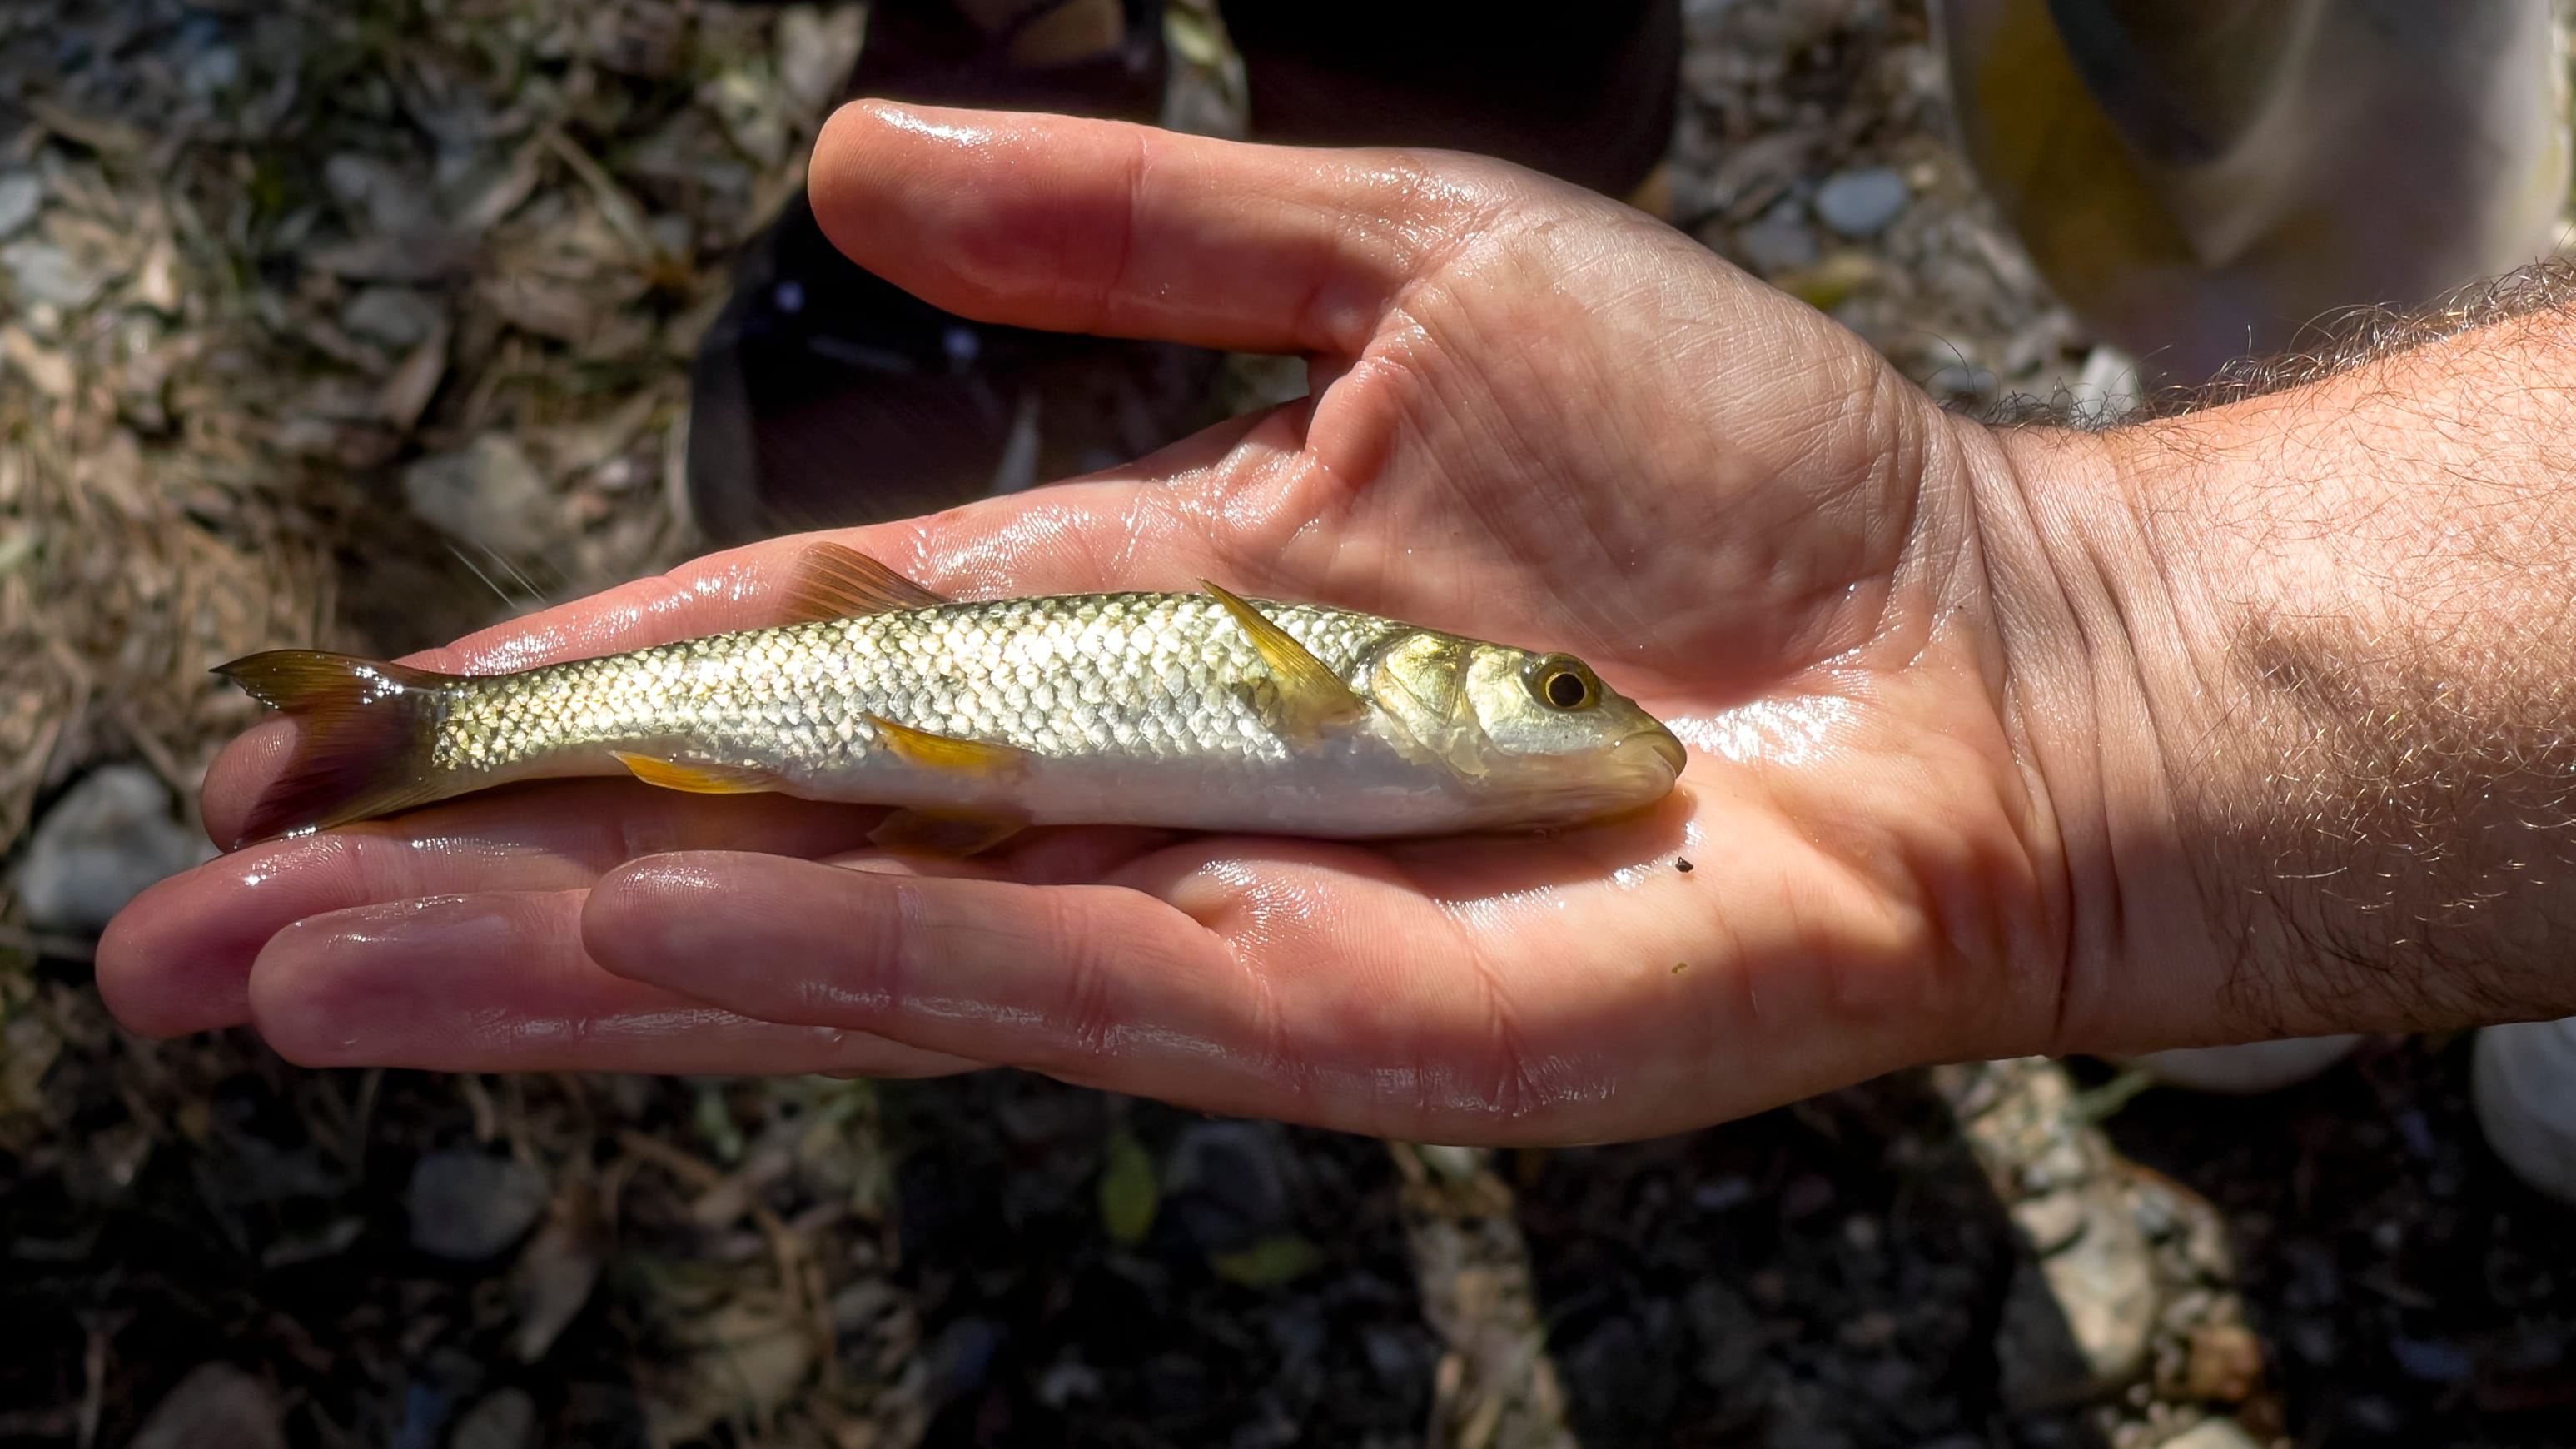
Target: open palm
column 1538, row 418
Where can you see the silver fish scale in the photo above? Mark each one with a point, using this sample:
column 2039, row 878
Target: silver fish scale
column 1137, row 676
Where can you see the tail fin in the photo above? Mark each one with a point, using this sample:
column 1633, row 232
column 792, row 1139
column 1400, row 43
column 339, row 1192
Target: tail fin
column 365, row 746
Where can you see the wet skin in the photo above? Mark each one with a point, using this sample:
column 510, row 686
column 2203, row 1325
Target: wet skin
column 1537, row 417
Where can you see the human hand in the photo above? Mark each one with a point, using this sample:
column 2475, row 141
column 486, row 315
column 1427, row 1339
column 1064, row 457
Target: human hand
column 1536, row 417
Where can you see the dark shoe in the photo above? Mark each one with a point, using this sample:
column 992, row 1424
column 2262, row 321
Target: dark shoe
column 826, row 396
column 1580, row 91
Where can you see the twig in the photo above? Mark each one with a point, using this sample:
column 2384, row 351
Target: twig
column 622, row 215
column 689, row 1169
column 155, row 753
column 48, row 944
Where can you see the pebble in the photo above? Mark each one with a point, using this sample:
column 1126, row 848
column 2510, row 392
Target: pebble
column 398, row 317
column 1223, row 1184
column 2212, row 1434
column 1771, row 245
column 1862, row 201
column 468, row 1206
column 2431, row 1360
column 106, row 839
column 1729, row 1333
column 2523, row 1081
column 486, row 493
column 2050, row 1221
column 506, row 1419
column 2254, row 1066
column 962, row 1357
column 2225, row 1363
column 2083, row 1316
column 1066, row 1380
column 1398, row 1355
column 22, row 195
column 1620, row 1372
column 43, row 272
column 217, row 1406
column 2105, row 1285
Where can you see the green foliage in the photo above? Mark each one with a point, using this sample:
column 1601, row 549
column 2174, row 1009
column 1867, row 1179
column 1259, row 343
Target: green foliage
column 1129, row 1195
column 1269, row 1263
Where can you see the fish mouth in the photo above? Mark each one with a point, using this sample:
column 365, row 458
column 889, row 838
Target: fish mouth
column 1661, row 741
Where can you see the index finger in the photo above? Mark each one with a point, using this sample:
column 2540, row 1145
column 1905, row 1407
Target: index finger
column 1123, row 230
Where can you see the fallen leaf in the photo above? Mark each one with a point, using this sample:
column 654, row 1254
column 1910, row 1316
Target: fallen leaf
column 1268, row 1263
column 1129, row 1194
column 48, row 370
column 407, row 393
column 557, row 1270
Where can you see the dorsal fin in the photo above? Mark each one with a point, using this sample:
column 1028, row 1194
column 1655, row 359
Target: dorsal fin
column 835, row 581
column 1312, row 698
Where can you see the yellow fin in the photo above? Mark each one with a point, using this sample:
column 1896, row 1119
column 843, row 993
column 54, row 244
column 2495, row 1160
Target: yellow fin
column 958, row 833
column 975, row 758
column 1312, row 698
column 697, row 779
column 833, row 581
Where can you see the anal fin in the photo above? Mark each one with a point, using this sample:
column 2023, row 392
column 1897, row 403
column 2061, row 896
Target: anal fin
column 976, row 759
column 696, row 779
column 1312, row 698
column 954, row 833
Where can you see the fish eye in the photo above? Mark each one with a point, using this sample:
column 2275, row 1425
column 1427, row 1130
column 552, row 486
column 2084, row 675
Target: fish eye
column 1561, row 683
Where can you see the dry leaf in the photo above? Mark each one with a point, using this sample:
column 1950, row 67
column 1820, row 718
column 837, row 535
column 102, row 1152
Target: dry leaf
column 410, row 388
column 49, row 371
column 556, row 1271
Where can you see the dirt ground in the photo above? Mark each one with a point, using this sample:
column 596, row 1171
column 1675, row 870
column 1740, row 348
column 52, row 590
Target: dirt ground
column 281, row 283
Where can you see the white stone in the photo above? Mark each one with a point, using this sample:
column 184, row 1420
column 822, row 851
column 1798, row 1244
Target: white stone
column 2254, row 1066
column 1776, row 244
column 487, row 493
column 399, row 317
column 1862, row 201
column 2524, row 1085
column 506, row 1419
column 43, row 272
column 467, row 1206
column 106, row 839
column 2212, row 1434
column 22, row 195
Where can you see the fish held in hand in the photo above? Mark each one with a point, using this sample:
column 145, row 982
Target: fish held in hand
column 1199, row 711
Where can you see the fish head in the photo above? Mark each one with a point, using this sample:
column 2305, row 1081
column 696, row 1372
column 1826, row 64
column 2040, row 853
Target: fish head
column 1537, row 735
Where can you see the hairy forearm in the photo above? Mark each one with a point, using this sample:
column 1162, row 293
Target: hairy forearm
column 2295, row 672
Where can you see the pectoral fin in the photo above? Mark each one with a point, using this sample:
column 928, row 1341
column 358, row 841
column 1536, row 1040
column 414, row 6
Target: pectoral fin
column 696, row 779
column 833, row 581
column 956, row 833
column 976, row 759
column 1312, row 698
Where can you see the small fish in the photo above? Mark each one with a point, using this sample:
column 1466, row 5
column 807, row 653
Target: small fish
column 975, row 719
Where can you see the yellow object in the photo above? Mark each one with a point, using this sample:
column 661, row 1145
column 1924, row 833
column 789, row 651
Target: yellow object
column 2201, row 179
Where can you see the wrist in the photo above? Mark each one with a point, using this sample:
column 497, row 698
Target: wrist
column 2292, row 674
column 2107, row 696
